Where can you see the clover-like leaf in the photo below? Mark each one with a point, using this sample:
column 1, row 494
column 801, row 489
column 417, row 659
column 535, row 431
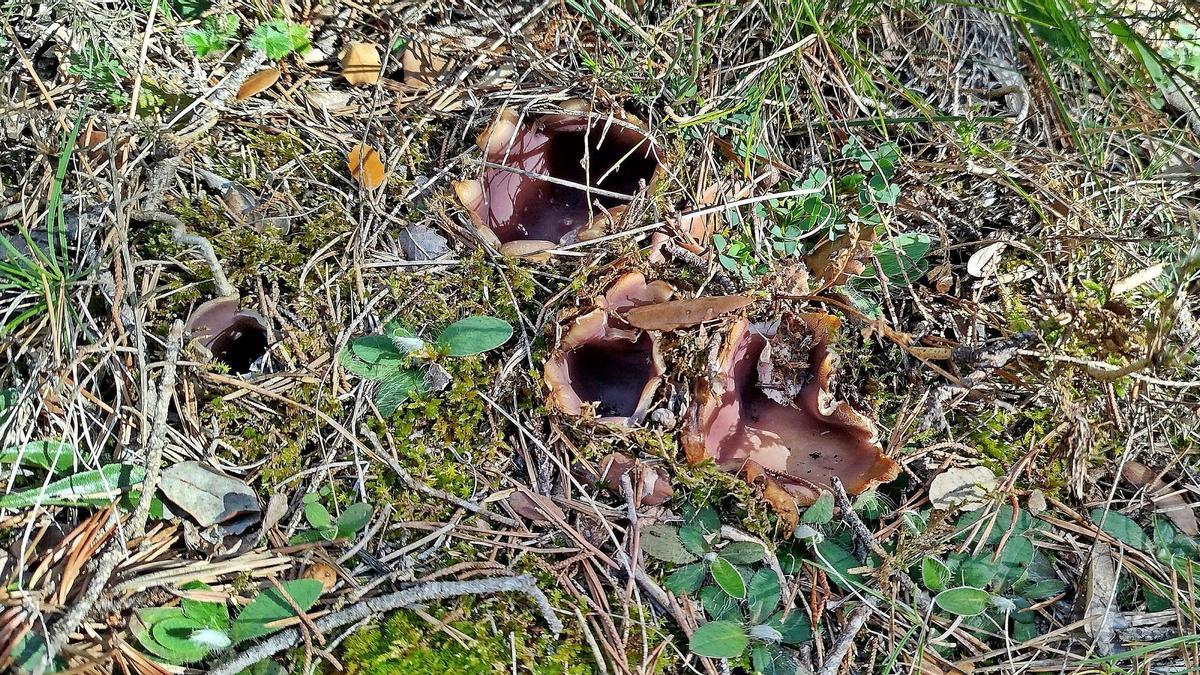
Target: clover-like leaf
column 728, row 577
column 719, row 640
column 662, row 542
column 474, row 335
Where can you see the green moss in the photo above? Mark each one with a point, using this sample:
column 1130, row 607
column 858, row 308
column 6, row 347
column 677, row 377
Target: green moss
column 487, row 637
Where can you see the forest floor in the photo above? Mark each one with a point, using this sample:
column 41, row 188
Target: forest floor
column 964, row 237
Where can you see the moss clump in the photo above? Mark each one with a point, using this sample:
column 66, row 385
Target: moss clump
column 487, row 637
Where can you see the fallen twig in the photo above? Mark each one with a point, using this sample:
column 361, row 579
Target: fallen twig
column 841, row 648
column 181, row 236
column 117, row 548
column 393, row 601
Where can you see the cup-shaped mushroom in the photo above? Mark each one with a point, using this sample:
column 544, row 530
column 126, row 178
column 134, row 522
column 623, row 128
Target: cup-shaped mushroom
column 801, row 442
column 235, row 337
column 615, row 369
column 558, row 178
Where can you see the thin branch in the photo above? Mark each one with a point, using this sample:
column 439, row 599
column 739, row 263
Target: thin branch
column 117, row 548
column 181, row 236
column 841, row 648
column 439, row 590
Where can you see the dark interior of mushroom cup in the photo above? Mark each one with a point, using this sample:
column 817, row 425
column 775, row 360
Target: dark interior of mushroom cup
column 240, row 345
column 605, row 156
column 612, row 373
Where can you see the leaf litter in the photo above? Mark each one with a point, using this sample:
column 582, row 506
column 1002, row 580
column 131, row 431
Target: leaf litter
column 561, row 426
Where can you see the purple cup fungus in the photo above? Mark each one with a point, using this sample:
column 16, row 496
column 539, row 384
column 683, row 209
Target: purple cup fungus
column 235, row 337
column 779, row 421
column 597, row 163
column 604, row 361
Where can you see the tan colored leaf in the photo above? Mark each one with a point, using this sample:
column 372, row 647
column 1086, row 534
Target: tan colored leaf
column 323, row 573
column 423, row 65
column 361, row 63
column 964, row 488
column 983, row 263
column 1167, row 501
column 366, row 167
column 676, row 314
column 258, row 83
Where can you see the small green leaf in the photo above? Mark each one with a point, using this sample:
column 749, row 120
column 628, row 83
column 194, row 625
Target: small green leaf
column 821, row 511
column 772, row 660
column 30, row 652
column 377, row 350
column 270, row 606
column 704, row 518
column 174, row 634
column 278, row 38
column 354, row 518
column 901, row 258
column 934, row 574
column 474, row 335
column 728, row 577
column 8, row 401
column 84, row 488
column 719, row 640
column 978, row 571
column 53, row 455
column 694, row 540
column 763, row 594
column 190, row 9
column 837, row 562
column 1040, row 590
column 1122, row 527
column 686, row 579
column 743, row 552
column 662, row 542
column 794, row 628
column 719, row 605
column 397, row 387
column 317, row 515
column 964, row 601
column 206, row 613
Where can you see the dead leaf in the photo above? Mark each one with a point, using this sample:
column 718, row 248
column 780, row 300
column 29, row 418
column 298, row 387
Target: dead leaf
column 964, row 488
column 323, row 573
column 257, row 83
column 366, row 167
column 1167, row 501
column 983, row 263
column 534, row 509
column 421, row 242
column 1102, row 586
column 1137, row 279
column 361, row 63
column 676, row 314
column 209, row 497
column 422, row 65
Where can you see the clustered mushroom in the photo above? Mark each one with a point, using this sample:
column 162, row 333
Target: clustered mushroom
column 235, row 337
column 780, row 422
column 603, row 361
column 765, row 410
column 556, row 179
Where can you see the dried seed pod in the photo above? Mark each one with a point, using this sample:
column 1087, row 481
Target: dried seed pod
column 235, row 337
column 603, row 360
column 793, row 433
column 594, row 163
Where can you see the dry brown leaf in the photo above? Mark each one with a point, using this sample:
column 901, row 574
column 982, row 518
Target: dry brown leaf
column 361, row 63
column 366, row 167
column 423, row 65
column 257, row 83
column 1166, row 500
column 676, row 314
column 323, row 573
